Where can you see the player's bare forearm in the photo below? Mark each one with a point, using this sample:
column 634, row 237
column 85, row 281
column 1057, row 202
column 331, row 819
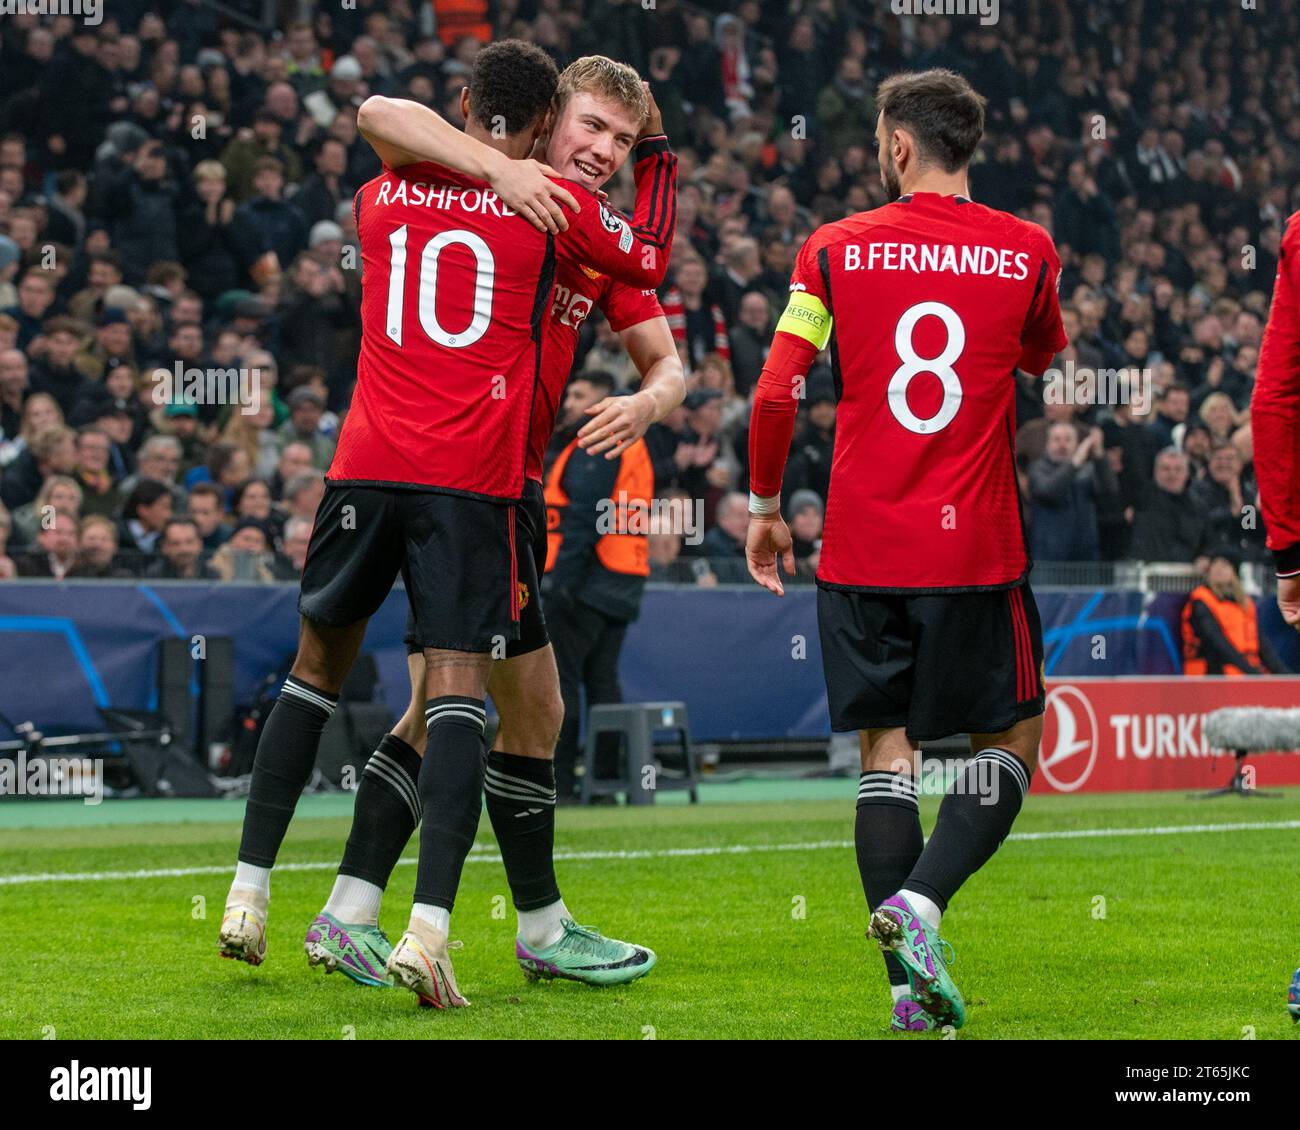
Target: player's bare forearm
column 402, row 132
column 619, row 421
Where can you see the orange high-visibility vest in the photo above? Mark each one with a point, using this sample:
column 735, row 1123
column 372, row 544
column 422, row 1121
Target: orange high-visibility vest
column 619, row 551
column 459, row 18
column 1239, row 625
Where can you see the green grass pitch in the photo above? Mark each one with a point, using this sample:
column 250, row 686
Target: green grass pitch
column 751, row 900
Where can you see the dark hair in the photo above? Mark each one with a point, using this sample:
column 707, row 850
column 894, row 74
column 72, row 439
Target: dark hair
column 512, row 81
column 242, row 489
column 146, row 493
column 597, row 378
column 167, row 525
column 219, row 458
column 209, row 490
column 941, row 110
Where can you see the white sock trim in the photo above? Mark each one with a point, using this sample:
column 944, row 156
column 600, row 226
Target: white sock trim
column 541, row 928
column 354, row 901
column 927, row 908
column 439, row 917
column 250, row 878
column 1009, row 762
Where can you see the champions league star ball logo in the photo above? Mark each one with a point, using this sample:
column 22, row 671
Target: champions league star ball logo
column 1070, row 737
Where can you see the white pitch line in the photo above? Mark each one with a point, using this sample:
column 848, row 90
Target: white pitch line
column 488, row 856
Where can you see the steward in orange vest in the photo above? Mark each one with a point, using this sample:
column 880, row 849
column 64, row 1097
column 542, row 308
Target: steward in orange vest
column 1221, row 629
column 597, row 528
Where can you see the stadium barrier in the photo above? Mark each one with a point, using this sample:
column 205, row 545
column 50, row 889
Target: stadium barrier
column 748, row 666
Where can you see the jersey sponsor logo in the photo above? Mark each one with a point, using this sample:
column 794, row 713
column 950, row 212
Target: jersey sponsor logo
column 568, row 308
column 1069, row 733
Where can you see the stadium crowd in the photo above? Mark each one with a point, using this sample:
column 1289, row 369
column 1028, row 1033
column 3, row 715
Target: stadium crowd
column 175, row 198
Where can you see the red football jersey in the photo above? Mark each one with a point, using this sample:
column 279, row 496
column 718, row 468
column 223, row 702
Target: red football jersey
column 577, row 290
column 1275, row 409
column 935, row 301
column 454, row 290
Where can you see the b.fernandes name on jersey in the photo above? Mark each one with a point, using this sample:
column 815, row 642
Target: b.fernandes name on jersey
column 919, row 258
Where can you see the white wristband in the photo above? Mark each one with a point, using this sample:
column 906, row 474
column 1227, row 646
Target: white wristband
column 760, row 507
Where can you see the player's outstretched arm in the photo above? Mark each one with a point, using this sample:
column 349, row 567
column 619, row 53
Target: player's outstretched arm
column 617, row 422
column 402, row 132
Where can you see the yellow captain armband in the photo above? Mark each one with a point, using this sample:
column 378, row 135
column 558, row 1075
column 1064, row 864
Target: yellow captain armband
column 806, row 316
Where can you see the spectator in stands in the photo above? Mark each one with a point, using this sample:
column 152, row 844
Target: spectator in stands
column 1219, row 496
column 14, row 387
column 260, row 142
column 97, row 549
column 806, row 512
column 306, row 407
column 180, row 554
column 813, row 448
column 208, row 513
column 58, row 492
column 727, row 538
column 208, row 247
column 253, row 500
column 1221, row 633
column 53, row 451
column 35, row 298
column 1197, row 446
column 1168, row 525
column 1172, row 408
column 320, row 194
column 8, row 570
column 297, row 536
column 99, row 490
column 303, row 494
column 55, row 551
column 750, row 338
column 246, row 555
column 139, row 200
column 147, row 510
column 698, row 326
column 1066, row 486
column 159, row 461
column 56, row 373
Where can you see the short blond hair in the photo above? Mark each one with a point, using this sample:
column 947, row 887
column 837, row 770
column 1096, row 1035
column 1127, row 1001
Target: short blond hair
column 606, row 78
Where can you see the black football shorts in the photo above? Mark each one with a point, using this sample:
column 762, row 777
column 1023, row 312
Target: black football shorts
column 952, row 663
column 530, row 564
column 456, row 554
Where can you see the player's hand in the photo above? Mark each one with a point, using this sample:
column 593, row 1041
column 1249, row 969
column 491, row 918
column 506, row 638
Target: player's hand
column 1288, row 600
column 526, row 188
column 654, row 122
column 616, row 423
column 768, row 539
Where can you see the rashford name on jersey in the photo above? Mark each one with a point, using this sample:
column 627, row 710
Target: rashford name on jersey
column 424, row 194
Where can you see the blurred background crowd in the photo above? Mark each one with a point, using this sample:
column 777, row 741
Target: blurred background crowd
column 176, row 187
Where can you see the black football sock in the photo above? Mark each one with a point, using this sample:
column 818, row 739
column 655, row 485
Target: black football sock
column 889, row 840
column 286, row 754
column 387, row 811
column 451, row 795
column 974, row 819
column 521, row 805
